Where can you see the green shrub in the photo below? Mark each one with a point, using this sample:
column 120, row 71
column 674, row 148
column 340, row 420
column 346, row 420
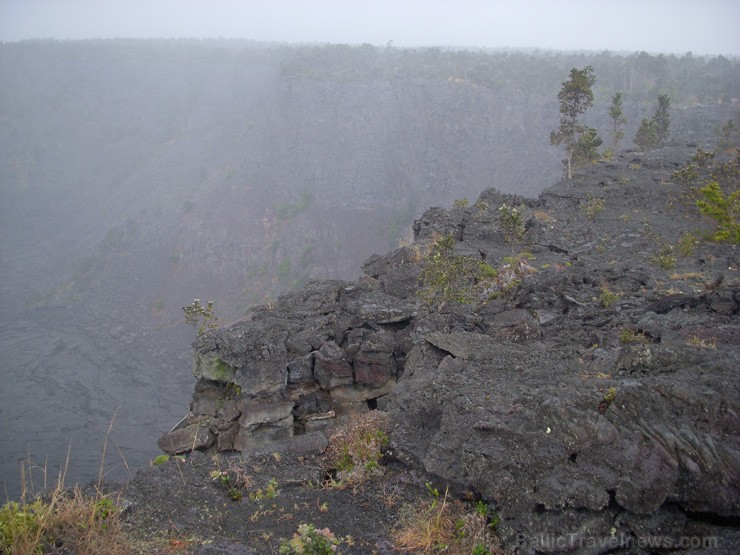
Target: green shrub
column 511, row 223
column 461, row 203
column 447, row 276
column 723, row 209
column 607, row 297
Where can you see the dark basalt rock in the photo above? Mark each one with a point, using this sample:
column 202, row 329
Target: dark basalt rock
column 598, row 398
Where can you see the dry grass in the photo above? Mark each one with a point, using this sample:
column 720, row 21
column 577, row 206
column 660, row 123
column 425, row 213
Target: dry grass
column 427, row 529
column 62, row 520
column 543, row 216
column 445, row 526
column 687, row 275
column 355, row 449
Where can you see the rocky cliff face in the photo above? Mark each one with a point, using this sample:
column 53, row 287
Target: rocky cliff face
column 596, row 397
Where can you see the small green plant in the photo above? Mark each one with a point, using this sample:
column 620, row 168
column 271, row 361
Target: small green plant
column 271, row 491
column 610, row 394
column 628, row 336
column 686, row 175
column 461, row 203
column 310, row 541
column 511, row 223
column 201, row 317
column 723, row 209
column 21, row 526
column 160, row 459
column 607, row 400
column 233, row 389
column 481, row 205
column 592, row 206
column 607, row 297
column 225, row 479
column 665, row 257
column 687, row 244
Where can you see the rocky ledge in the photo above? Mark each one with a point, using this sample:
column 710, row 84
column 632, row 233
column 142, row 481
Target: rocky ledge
column 591, row 403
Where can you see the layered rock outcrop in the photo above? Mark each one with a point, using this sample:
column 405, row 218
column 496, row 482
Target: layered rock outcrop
column 321, row 353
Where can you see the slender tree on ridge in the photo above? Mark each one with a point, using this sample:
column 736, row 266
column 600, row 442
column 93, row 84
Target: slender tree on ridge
column 575, row 98
column 617, row 120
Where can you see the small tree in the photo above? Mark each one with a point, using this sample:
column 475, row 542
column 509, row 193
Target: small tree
column 646, row 137
column 723, row 209
column 617, row 120
column 575, row 98
column 726, row 134
column 201, row 317
column 662, row 117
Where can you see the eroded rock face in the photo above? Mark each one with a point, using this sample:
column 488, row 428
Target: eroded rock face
column 596, row 398
column 294, row 367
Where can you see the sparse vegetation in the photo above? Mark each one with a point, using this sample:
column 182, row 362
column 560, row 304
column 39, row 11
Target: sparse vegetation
column 202, row 318
column 511, row 223
column 461, row 203
column 665, row 258
column 289, row 210
column 686, row 175
column 697, row 340
column 225, row 479
column 271, row 491
column 356, row 449
column 607, row 297
column 726, row 135
column 687, row 244
column 592, row 206
column 446, row 276
column 628, row 336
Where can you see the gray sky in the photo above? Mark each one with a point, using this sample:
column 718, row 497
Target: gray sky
column 670, row 26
